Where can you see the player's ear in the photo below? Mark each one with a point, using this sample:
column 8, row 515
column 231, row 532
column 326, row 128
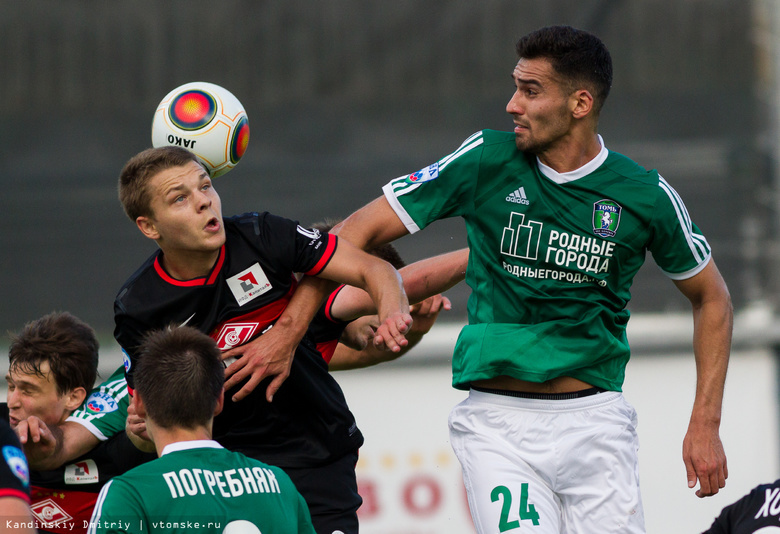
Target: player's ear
column 147, row 227
column 220, row 403
column 581, row 103
column 74, row 398
column 138, row 406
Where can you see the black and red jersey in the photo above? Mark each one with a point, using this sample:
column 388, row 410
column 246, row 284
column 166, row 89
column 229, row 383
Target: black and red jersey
column 325, row 329
column 308, row 423
column 62, row 499
column 14, row 473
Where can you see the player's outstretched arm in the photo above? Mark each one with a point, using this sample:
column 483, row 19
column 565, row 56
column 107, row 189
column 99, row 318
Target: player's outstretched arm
column 350, row 265
column 48, row 448
column 371, row 226
column 422, row 280
column 271, row 354
column 703, row 454
column 356, row 349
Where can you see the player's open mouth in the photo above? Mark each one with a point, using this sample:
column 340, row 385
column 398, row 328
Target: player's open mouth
column 212, row 224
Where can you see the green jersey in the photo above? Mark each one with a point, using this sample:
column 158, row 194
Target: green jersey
column 552, row 256
column 104, row 411
column 200, row 486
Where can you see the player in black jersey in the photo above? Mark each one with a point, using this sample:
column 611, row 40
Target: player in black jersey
column 234, row 278
column 53, row 363
column 14, row 483
column 758, row 511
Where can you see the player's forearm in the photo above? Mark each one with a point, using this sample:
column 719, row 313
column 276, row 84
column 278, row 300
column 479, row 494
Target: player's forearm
column 432, row 276
column 387, row 290
column 712, row 346
column 303, row 306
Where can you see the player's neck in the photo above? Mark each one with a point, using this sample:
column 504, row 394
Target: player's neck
column 189, row 265
column 571, row 154
column 163, row 437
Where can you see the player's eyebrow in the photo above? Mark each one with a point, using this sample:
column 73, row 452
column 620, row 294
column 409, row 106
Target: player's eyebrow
column 524, row 81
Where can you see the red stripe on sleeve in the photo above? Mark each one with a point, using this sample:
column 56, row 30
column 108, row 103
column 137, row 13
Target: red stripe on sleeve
column 9, row 492
column 326, row 256
column 329, row 304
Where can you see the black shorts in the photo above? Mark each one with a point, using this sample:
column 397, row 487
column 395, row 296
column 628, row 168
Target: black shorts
column 331, row 493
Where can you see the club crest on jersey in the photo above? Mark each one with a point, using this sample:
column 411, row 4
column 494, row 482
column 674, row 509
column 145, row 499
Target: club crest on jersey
column 606, row 217
column 235, row 334
column 17, row 462
column 85, row 472
column 100, row 402
column 431, row 172
column 126, row 362
column 249, row 284
column 48, row 511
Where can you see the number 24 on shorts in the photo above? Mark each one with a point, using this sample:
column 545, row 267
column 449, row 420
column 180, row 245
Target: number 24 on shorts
column 527, row 511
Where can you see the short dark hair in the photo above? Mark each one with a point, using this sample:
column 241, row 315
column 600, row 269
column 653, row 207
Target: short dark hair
column 65, row 342
column 385, row 252
column 578, row 56
column 179, row 376
column 140, row 169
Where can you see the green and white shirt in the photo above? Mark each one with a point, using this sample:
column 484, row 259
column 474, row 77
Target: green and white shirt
column 104, row 411
column 198, row 486
column 552, row 256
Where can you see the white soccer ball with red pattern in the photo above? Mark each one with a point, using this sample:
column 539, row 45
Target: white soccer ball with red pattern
column 205, row 119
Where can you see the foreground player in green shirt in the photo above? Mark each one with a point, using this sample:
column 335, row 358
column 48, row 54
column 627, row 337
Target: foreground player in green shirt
column 557, row 227
column 195, row 484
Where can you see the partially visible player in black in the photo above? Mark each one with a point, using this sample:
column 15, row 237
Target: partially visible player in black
column 752, row 513
column 52, row 364
column 234, row 278
column 14, row 484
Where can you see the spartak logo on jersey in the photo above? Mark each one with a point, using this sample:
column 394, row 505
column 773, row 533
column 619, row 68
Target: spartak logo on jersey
column 48, row 511
column 235, row 334
column 249, row 284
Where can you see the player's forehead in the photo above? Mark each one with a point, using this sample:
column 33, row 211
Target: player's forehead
column 23, row 374
column 178, row 177
column 535, row 71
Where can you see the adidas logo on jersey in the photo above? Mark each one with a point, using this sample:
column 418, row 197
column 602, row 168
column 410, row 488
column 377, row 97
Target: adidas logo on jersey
column 518, row 197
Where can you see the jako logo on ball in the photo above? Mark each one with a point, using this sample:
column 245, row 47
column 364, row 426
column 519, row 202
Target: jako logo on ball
column 205, row 119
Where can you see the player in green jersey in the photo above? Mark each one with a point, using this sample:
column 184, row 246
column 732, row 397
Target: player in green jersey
column 557, row 227
column 195, row 484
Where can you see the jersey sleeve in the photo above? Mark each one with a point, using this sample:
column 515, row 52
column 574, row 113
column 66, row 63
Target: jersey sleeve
column 678, row 246
column 104, row 411
column 14, row 472
column 441, row 190
column 288, row 246
column 118, row 510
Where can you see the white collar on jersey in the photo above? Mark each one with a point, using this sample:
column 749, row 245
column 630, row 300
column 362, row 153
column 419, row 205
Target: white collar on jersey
column 187, row 445
column 589, row 167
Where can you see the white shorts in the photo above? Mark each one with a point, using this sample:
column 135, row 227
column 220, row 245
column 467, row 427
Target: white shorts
column 549, row 466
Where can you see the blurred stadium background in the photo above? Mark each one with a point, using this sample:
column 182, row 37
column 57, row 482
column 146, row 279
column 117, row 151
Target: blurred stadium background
column 343, row 96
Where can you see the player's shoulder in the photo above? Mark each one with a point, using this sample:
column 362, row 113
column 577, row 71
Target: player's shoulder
column 137, row 278
column 630, row 169
column 255, row 223
column 496, row 137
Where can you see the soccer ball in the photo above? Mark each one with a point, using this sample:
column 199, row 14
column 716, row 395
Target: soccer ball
column 205, row 119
